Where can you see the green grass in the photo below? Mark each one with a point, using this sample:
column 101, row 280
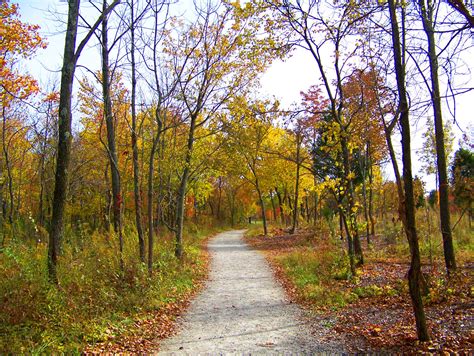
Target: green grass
column 313, row 272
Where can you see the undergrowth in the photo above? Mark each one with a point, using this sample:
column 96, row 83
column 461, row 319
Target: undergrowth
column 94, row 297
column 319, row 271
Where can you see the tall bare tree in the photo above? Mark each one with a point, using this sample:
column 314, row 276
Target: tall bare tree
column 427, row 9
column 70, row 58
column 414, row 273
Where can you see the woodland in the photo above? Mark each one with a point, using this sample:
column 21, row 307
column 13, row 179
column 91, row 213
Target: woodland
column 112, row 179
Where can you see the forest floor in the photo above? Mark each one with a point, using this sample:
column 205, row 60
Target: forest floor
column 372, row 313
column 243, row 310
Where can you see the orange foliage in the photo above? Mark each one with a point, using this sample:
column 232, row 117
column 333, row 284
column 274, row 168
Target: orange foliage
column 17, row 40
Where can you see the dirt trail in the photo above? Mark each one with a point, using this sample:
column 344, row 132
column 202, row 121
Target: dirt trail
column 243, row 309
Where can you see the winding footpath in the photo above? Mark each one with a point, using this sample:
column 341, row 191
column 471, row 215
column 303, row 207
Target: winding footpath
column 243, row 310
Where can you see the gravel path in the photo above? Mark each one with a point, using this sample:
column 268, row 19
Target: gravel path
column 243, row 310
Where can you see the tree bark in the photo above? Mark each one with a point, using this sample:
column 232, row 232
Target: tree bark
column 350, row 242
column 427, row 19
column 353, row 232
column 70, row 57
column 136, row 174
column 64, row 141
column 8, row 168
column 280, row 205
column 262, row 206
column 371, row 200
column 363, row 168
column 414, row 273
column 297, row 183
column 111, row 145
column 151, row 171
column 273, row 207
column 182, row 189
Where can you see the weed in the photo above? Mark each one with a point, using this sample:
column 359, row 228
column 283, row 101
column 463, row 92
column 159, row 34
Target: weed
column 94, row 299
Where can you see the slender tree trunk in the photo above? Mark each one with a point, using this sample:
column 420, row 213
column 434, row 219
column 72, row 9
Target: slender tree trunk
column 396, row 171
column 316, row 202
column 353, row 229
column 111, row 145
column 151, row 172
column 136, row 174
column 182, row 190
column 64, row 141
column 414, row 273
column 366, row 208
column 290, row 208
column 280, row 205
column 231, row 200
column 341, row 224
column 262, row 206
column 8, row 168
column 41, row 193
column 350, row 242
column 273, row 207
column 371, row 200
column 308, row 213
column 427, row 19
column 297, row 184
column 70, row 58
column 219, row 187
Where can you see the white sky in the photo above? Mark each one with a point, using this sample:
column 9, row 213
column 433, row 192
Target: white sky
column 283, row 80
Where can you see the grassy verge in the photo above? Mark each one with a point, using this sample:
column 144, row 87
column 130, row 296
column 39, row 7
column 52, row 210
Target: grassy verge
column 95, row 303
column 373, row 311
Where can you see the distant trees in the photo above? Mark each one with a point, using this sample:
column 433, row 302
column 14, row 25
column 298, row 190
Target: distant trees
column 18, row 41
column 249, row 130
column 462, row 178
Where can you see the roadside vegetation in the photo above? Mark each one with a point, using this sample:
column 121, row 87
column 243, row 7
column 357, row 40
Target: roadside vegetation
column 95, row 306
column 372, row 311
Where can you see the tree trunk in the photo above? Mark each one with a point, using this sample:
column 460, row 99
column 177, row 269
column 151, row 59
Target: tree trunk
column 316, row 202
column 41, row 217
column 219, row 187
column 8, row 168
column 273, row 207
column 414, row 273
column 308, row 213
column 297, row 184
column 64, row 141
column 353, row 232
column 136, row 174
column 371, row 201
column 262, row 206
column 280, row 205
column 427, row 19
column 111, row 146
column 350, row 242
column 151, row 171
column 231, row 199
column 182, row 189
column 70, row 57
column 364, row 198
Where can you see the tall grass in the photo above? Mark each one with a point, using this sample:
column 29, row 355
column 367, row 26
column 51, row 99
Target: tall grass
column 93, row 293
